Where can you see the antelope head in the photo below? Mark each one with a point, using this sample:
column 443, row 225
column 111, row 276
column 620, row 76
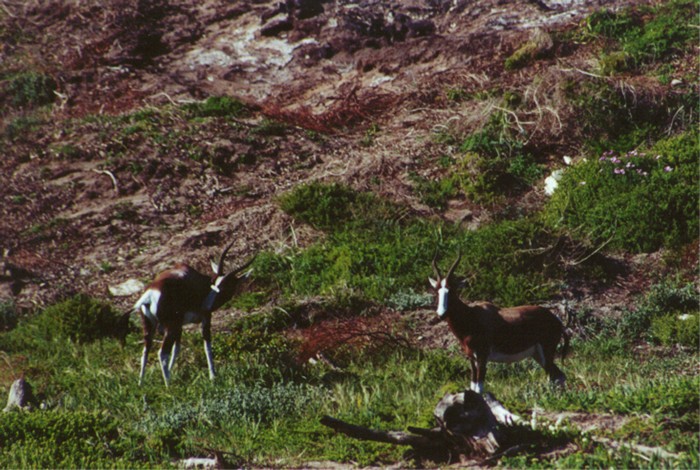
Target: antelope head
column 224, row 285
column 444, row 285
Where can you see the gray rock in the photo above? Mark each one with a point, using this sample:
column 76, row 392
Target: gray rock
column 21, row 396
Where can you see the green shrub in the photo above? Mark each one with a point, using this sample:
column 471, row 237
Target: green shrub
column 217, row 106
column 256, row 403
column 539, row 46
column 31, row 89
column 270, row 127
column 495, row 162
column 644, row 35
column 436, row 193
column 610, row 118
column 662, row 300
column 675, row 328
column 638, row 201
column 80, row 318
column 21, row 125
column 46, row 439
column 373, row 252
column 509, row 262
column 8, row 315
column 323, row 206
column 335, row 207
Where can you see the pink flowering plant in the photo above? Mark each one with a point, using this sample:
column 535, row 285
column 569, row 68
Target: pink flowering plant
column 638, row 200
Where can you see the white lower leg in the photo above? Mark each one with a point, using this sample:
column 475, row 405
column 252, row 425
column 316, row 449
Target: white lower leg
column 173, row 356
column 144, row 359
column 477, row 387
column 210, row 359
column 164, row 359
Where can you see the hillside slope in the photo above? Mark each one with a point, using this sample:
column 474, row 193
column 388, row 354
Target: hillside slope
column 361, row 90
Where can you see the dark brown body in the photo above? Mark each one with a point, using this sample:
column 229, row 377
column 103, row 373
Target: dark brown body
column 487, row 333
column 179, row 296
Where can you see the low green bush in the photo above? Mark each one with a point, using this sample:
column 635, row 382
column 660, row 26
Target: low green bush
column 638, row 201
column 539, row 46
column 496, row 162
column 48, row 439
column 374, row 252
column 31, row 89
column 436, row 193
column 662, row 300
column 610, row 118
column 677, row 328
column 8, row 315
column 647, row 34
column 217, row 106
column 80, row 318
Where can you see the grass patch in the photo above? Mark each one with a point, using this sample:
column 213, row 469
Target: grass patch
column 640, row 36
column 266, row 412
column 80, row 319
column 613, row 119
column 30, row 89
column 539, row 46
column 496, row 162
column 217, row 106
column 374, row 250
column 48, row 439
column 638, row 201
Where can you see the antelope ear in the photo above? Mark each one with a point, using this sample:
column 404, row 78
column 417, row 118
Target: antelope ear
column 433, row 282
column 215, row 267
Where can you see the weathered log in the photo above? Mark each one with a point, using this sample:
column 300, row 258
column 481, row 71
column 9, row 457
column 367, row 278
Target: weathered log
column 468, row 425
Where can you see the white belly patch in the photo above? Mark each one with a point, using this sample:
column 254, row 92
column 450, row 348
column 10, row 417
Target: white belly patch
column 496, row 356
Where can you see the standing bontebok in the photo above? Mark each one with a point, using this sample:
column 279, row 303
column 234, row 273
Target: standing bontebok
column 179, row 296
column 489, row 333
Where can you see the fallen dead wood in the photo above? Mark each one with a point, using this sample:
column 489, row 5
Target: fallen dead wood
column 469, row 425
column 646, row 452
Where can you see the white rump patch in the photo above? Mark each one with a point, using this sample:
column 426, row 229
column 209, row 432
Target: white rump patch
column 148, row 304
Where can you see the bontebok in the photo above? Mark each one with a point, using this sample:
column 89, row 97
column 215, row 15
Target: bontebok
column 179, row 296
column 488, row 333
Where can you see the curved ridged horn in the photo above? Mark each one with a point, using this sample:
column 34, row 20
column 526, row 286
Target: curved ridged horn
column 454, row 265
column 220, row 266
column 435, row 267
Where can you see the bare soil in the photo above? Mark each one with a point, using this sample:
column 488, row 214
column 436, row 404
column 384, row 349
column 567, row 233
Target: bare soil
column 77, row 220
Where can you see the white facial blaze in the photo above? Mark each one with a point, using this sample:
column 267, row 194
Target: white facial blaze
column 442, row 298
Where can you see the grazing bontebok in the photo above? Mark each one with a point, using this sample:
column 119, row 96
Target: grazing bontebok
column 489, row 333
column 179, row 296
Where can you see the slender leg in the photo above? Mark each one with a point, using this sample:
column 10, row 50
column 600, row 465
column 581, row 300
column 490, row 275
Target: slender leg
column 475, row 371
column 148, row 330
column 478, row 386
column 545, row 357
column 176, row 349
column 206, row 334
column 166, row 347
column 556, row 376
